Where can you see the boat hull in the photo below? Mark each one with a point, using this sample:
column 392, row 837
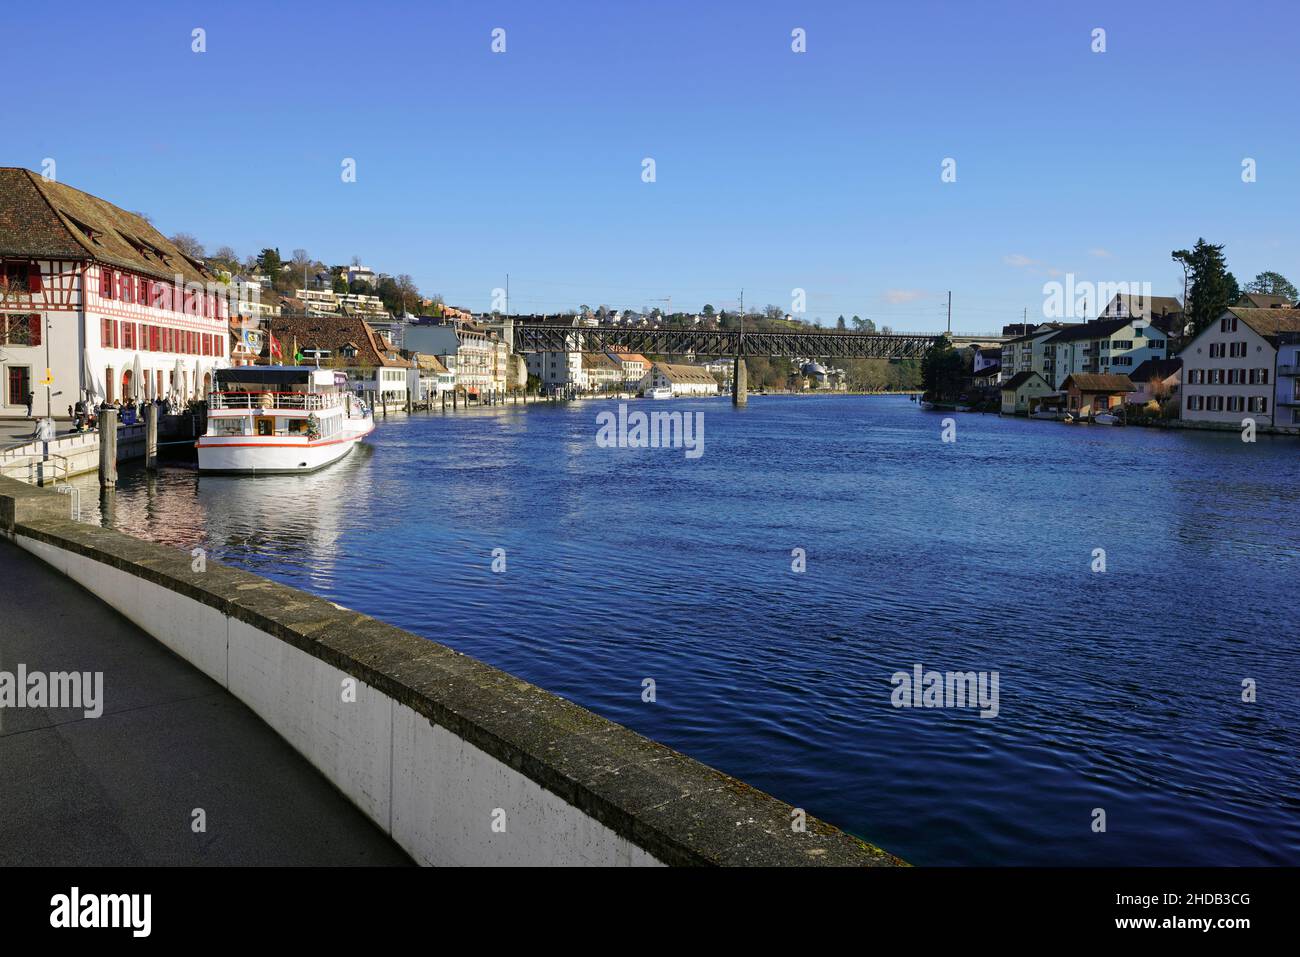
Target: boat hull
column 252, row 455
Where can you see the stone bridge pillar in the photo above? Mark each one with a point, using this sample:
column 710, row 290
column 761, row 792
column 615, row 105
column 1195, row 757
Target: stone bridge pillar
column 740, row 383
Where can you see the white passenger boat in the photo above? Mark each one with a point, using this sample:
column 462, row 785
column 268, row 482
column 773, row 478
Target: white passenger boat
column 663, row 392
column 266, row 420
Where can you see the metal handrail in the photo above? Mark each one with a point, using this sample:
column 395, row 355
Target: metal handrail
column 298, row 401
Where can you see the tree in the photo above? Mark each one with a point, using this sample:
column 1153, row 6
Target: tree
column 707, row 310
column 268, row 261
column 1271, row 283
column 1233, row 289
column 839, row 323
column 1212, row 285
column 407, row 289
column 188, row 245
column 942, row 371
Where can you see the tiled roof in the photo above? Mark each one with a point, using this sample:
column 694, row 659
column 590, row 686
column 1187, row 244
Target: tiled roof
column 1095, row 329
column 1265, row 300
column 1156, row 369
column 48, row 220
column 333, row 333
column 1099, row 382
column 685, row 373
column 1269, row 322
column 1020, row 378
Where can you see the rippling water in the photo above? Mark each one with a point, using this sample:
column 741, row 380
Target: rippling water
column 1119, row 691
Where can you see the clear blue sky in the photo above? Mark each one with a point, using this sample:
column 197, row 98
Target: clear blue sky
column 775, row 170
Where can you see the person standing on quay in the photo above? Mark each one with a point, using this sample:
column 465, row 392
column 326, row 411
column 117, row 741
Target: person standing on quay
column 28, row 399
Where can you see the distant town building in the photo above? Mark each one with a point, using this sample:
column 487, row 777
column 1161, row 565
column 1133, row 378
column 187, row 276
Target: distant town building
column 478, row 358
column 345, row 343
column 600, row 372
column 1156, row 380
column 682, row 379
column 1265, row 300
column 633, row 364
column 1091, row 393
column 1102, row 346
column 1020, row 389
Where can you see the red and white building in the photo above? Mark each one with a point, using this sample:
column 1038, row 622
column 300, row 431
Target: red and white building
column 96, row 301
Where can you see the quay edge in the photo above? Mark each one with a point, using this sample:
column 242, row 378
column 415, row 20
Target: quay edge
column 435, row 741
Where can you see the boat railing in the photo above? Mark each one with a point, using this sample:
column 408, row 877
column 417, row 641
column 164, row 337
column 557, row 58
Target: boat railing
column 298, row 401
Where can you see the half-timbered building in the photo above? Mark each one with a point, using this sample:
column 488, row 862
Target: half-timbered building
column 95, row 301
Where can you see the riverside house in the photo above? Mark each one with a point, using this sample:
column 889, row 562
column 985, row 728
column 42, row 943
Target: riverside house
column 1231, row 370
column 1020, row 389
column 1090, row 393
column 95, row 300
column 682, row 379
column 1103, row 346
column 349, row 344
column 1156, row 380
column 1027, row 352
column 1286, row 395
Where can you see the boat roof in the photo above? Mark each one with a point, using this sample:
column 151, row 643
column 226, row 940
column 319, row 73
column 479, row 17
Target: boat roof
column 275, row 375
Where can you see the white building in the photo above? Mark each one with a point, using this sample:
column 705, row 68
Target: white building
column 634, row 366
column 1102, row 347
column 682, row 379
column 96, row 300
column 1232, row 371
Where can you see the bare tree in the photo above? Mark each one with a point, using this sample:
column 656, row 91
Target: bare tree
column 188, row 245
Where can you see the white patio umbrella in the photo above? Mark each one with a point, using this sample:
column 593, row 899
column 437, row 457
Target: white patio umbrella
column 178, row 376
column 198, row 382
column 93, row 390
column 137, row 373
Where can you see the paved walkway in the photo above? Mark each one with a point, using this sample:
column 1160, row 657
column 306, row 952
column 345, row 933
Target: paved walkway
column 121, row 789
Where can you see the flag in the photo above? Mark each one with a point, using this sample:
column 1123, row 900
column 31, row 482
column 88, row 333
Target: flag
column 276, row 351
column 297, row 353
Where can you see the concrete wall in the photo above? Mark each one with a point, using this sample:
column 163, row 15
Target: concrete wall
column 460, row 763
column 67, row 455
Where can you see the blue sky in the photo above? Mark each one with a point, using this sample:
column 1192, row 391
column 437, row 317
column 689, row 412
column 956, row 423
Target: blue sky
column 775, row 170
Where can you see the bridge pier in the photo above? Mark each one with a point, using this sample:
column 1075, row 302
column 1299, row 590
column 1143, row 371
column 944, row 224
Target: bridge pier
column 740, row 383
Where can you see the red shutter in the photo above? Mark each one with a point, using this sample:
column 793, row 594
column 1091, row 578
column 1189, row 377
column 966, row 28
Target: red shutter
column 34, row 277
column 34, row 329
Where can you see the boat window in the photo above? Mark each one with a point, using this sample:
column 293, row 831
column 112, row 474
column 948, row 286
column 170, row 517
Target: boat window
column 228, row 426
column 265, row 425
column 297, row 426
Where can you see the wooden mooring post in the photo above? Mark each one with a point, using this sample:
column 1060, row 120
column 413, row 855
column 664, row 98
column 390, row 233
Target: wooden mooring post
column 108, row 448
column 151, row 437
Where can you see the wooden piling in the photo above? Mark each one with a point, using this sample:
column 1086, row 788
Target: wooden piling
column 151, row 437
column 108, row 448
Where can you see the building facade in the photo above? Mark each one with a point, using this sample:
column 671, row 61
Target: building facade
column 96, row 302
column 1231, row 369
column 1102, row 347
column 682, row 379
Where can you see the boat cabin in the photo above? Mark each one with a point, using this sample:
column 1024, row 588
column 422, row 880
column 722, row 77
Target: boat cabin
column 279, row 400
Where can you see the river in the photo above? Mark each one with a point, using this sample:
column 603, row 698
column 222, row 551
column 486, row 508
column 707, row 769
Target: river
column 1119, row 690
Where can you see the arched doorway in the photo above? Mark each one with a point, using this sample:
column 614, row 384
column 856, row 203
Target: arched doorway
column 207, row 384
column 126, row 385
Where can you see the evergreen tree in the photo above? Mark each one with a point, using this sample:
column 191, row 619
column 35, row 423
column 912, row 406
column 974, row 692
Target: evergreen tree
column 1273, row 284
column 1212, row 285
column 942, row 371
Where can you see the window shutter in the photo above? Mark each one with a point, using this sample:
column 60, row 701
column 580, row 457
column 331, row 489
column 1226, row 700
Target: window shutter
column 34, row 277
column 34, row 329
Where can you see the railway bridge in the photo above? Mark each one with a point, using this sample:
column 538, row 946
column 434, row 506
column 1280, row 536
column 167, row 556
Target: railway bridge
column 525, row 337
